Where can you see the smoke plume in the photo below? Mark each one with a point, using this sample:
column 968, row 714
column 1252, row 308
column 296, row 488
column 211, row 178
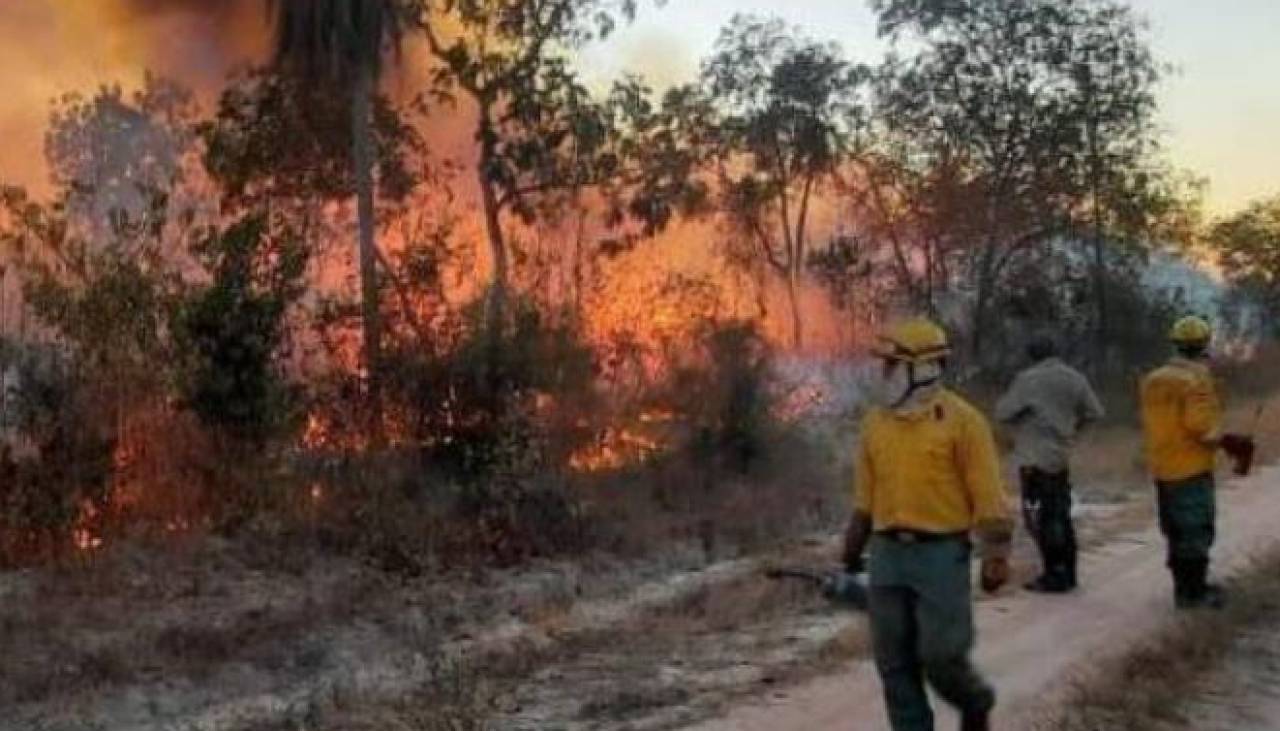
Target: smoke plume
column 52, row 47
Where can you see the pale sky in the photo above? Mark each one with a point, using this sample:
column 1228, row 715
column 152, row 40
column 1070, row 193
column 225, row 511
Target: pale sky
column 1221, row 110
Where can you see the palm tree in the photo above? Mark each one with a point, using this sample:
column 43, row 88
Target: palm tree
column 343, row 41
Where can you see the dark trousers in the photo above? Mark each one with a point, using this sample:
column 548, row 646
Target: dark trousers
column 1188, row 513
column 1046, row 508
column 922, row 629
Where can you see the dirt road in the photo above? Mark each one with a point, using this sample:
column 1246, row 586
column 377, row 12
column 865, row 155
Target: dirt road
column 1030, row 645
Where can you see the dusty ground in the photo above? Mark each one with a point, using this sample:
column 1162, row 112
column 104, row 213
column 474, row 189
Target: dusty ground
column 219, row 638
column 1243, row 694
column 222, row 637
column 1029, row 643
column 1209, row 671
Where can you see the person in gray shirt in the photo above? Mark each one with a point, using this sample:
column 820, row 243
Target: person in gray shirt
column 1046, row 406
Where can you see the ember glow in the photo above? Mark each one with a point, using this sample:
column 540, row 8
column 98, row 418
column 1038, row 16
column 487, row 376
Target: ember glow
column 644, row 309
column 85, row 536
column 619, row 447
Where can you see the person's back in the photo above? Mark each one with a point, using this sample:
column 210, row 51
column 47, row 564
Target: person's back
column 1046, row 406
column 1182, row 422
column 1180, row 415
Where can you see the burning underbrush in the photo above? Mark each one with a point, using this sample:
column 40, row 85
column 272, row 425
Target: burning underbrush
column 496, row 452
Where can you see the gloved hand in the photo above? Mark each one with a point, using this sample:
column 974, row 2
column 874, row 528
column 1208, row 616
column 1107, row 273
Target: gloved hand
column 995, row 573
column 855, row 541
column 1241, row 449
column 855, row 564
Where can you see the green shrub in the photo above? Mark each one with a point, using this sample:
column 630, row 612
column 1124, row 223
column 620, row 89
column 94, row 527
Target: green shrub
column 59, row 471
column 728, row 392
column 229, row 333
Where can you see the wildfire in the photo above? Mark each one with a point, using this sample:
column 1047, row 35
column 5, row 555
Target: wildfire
column 659, row 416
column 324, row 433
column 316, row 435
column 84, row 537
column 620, row 446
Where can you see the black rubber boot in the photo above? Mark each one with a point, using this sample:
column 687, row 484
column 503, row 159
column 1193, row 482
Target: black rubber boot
column 976, row 721
column 1049, row 584
column 1071, row 560
column 1203, row 593
column 1197, row 592
column 1182, row 594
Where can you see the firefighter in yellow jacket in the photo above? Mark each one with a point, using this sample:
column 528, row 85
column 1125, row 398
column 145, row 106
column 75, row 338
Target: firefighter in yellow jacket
column 927, row 480
column 1182, row 422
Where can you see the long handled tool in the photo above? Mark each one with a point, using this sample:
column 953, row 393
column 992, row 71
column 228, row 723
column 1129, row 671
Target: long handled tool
column 840, row 587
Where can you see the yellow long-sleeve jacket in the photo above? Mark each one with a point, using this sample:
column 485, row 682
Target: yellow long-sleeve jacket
column 933, row 469
column 1181, row 419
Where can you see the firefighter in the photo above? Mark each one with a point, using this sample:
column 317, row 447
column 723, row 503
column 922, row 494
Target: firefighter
column 1046, row 406
column 927, row 479
column 1182, row 422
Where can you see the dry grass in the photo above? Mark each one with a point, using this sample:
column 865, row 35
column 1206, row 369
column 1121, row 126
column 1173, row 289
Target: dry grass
column 682, row 659
column 455, row 699
column 136, row 616
column 1148, row 688
column 1109, row 466
column 799, row 489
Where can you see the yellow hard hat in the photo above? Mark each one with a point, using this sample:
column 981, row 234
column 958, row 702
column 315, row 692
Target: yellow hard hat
column 917, row 340
column 1191, row 330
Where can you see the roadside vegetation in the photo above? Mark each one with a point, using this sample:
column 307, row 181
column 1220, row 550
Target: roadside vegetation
column 1189, row 673
column 310, row 365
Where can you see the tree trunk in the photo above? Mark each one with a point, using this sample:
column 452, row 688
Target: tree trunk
column 798, row 252
column 1102, row 331
column 1100, row 284
column 928, row 303
column 497, row 300
column 982, row 302
column 362, row 159
column 578, row 256
column 793, row 299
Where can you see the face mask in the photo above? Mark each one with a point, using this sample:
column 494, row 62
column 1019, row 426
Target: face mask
column 889, row 385
column 898, row 385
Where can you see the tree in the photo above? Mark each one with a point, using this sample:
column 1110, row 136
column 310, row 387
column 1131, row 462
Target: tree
column 111, row 154
column 231, row 331
column 847, row 271
column 788, row 116
column 279, row 143
column 345, row 41
column 1021, row 123
column 1247, row 245
column 276, row 140
column 542, row 138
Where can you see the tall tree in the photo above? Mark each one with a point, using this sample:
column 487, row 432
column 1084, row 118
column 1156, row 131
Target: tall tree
column 112, row 153
column 345, row 41
column 1247, row 245
column 1037, row 115
column 229, row 332
column 542, row 138
column 788, row 112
